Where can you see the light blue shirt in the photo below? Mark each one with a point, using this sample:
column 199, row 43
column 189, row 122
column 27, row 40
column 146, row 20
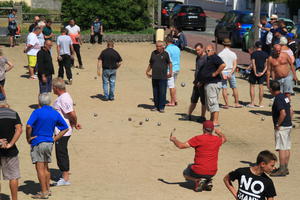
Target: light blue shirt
column 174, row 53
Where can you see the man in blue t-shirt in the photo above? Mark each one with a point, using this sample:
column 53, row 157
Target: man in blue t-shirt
column 39, row 133
column 265, row 27
column 174, row 53
column 281, row 114
column 96, row 30
column 12, row 27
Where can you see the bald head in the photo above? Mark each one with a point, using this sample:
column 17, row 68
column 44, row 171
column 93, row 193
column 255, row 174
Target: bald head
column 48, row 44
column 210, row 50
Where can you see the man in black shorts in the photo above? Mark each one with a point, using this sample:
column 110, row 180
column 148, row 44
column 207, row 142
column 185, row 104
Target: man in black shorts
column 12, row 27
column 258, row 74
column 198, row 89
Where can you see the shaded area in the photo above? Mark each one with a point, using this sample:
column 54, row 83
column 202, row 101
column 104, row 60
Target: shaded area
column 145, row 106
column 34, row 106
column 25, row 76
column 4, row 196
column 55, row 174
column 99, row 96
column 251, row 164
column 187, row 184
column 30, row 187
column 261, row 112
column 268, row 96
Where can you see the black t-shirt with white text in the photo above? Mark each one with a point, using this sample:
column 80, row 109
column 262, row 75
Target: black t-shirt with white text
column 159, row 63
column 260, row 58
column 281, row 102
column 8, row 120
column 252, row 186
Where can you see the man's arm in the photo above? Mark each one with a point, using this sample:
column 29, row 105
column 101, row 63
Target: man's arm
column 282, row 115
column 148, row 71
column 234, row 67
column 18, row 132
column 291, row 63
column 10, row 66
column 73, row 119
column 254, row 67
column 221, row 135
column 99, row 66
column 92, row 30
column 219, row 70
column 179, row 144
column 266, row 67
column 269, row 71
column 28, row 134
column 58, row 51
column 229, row 185
column 170, row 70
column 101, row 29
column 60, row 134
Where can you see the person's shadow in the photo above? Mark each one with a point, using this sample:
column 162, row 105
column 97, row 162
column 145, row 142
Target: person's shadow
column 29, row 187
column 99, row 96
column 4, row 196
column 187, row 184
column 251, row 164
column 55, row 174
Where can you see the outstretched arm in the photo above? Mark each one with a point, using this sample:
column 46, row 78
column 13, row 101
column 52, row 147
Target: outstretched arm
column 178, row 144
column 229, row 185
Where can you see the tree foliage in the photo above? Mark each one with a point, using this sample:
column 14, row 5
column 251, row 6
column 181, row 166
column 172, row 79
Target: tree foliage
column 123, row 15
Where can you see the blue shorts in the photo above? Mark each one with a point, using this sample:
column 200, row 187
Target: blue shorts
column 286, row 84
column 232, row 81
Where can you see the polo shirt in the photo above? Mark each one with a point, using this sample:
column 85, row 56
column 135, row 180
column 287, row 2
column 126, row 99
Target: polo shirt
column 228, row 58
column 212, row 64
column 44, row 63
column 110, row 58
column 47, row 32
column 174, row 53
column 64, row 42
column 8, row 120
column 12, row 24
column 206, row 153
column 281, row 102
column 43, row 122
column 97, row 26
column 159, row 63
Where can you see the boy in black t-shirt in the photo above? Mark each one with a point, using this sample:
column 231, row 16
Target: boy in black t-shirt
column 253, row 181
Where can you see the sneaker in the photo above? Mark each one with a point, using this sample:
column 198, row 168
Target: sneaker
column 154, row 109
column 162, row 111
column 62, row 182
column 81, row 67
column 200, row 184
column 208, row 186
column 69, row 82
column 112, row 99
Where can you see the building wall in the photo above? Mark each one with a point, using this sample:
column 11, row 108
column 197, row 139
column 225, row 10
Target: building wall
column 27, row 1
column 47, row 4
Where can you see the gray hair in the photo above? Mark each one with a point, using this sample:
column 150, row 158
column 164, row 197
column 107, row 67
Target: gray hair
column 44, row 99
column 59, row 83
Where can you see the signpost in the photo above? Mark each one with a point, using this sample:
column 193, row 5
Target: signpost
column 256, row 20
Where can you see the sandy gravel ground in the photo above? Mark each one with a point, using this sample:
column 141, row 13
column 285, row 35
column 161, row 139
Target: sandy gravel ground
column 112, row 158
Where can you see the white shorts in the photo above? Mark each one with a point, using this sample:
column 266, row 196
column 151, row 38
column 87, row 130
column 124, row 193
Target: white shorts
column 283, row 138
column 172, row 80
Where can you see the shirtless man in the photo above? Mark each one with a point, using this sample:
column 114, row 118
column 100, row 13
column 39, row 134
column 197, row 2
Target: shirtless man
column 281, row 68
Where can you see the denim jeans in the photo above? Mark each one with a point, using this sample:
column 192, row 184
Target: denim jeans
column 45, row 87
column 109, row 77
column 159, row 93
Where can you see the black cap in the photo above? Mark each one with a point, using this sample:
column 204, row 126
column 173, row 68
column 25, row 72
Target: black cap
column 258, row 44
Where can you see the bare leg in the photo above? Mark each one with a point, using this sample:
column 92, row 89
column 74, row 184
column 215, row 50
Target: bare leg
column 31, row 72
column 224, row 92
column 192, row 108
column 236, row 96
column 261, row 94
column 41, row 172
column 47, row 173
column 11, row 39
column 252, row 94
column 66, row 175
column 215, row 117
column 203, row 110
column 173, row 96
column 13, row 184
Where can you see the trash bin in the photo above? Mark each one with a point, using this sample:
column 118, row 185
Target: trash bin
column 160, row 34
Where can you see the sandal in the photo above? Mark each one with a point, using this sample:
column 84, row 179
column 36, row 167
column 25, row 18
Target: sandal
column 238, row 106
column 250, row 106
column 171, row 105
column 225, row 107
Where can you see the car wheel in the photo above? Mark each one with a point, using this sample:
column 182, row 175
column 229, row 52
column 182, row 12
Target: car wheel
column 195, row 29
column 203, row 29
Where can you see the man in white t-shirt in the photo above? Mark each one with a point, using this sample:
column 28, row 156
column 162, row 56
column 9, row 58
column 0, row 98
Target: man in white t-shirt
column 32, row 48
column 65, row 53
column 74, row 33
column 230, row 59
column 64, row 105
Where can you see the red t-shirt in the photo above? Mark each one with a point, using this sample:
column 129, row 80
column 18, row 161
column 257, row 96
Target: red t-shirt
column 206, row 153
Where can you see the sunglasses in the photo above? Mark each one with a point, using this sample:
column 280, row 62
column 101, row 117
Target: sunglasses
column 210, row 50
column 273, row 19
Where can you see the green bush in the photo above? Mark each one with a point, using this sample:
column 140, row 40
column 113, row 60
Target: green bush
column 122, row 15
column 25, row 7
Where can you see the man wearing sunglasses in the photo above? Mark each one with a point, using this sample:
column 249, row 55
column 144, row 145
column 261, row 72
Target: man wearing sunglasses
column 211, row 74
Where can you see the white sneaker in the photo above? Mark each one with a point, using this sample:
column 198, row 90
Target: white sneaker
column 62, row 182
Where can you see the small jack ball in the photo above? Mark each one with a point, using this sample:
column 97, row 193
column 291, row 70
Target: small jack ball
column 182, row 84
column 129, row 119
column 141, row 123
column 158, row 124
column 95, row 114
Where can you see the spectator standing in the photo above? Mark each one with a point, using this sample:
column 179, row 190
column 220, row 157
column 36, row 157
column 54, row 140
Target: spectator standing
column 179, row 38
column 64, row 105
column 96, row 31
column 265, row 27
column 174, row 53
column 10, row 132
column 65, row 52
column 34, row 24
column 109, row 60
column 161, row 67
column 198, row 88
column 259, row 61
column 45, row 67
column 39, row 133
column 205, row 164
column 32, row 48
column 262, row 187
column 292, row 44
column 211, row 74
column 281, row 114
column 74, row 33
column 47, row 31
column 12, row 27
column 41, row 36
column 228, row 75
column 3, row 70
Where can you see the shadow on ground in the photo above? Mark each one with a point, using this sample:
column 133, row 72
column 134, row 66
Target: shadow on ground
column 29, row 187
column 34, row 106
column 4, row 196
column 261, row 112
column 99, row 96
column 145, row 106
column 251, row 164
column 55, row 174
column 25, row 76
column 188, row 184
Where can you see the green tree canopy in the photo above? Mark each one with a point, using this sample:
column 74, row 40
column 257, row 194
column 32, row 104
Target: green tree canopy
column 123, row 15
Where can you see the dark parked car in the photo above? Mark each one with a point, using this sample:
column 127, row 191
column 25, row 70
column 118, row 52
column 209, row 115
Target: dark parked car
column 189, row 16
column 234, row 25
column 167, row 7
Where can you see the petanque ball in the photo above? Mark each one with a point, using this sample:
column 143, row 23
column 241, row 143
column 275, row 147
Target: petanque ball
column 95, row 115
column 77, row 73
column 147, row 119
column 95, row 77
column 158, row 124
column 262, row 119
column 182, row 84
column 141, row 123
column 129, row 119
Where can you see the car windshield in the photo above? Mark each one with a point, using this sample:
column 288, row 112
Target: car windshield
column 169, row 6
column 245, row 19
column 191, row 9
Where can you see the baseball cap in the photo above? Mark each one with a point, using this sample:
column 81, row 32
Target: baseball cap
column 274, row 16
column 2, row 99
column 290, row 35
column 283, row 41
column 208, row 125
column 258, row 44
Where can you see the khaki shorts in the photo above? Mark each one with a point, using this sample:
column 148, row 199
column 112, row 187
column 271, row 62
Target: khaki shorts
column 41, row 152
column 10, row 168
column 212, row 91
column 283, row 138
column 32, row 61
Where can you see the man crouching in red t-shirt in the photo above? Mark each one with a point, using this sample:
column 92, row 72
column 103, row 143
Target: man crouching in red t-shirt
column 205, row 164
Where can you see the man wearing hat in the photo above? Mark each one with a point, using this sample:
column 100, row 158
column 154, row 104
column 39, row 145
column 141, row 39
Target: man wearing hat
column 205, row 164
column 10, row 132
column 258, row 73
column 292, row 43
column 230, row 59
